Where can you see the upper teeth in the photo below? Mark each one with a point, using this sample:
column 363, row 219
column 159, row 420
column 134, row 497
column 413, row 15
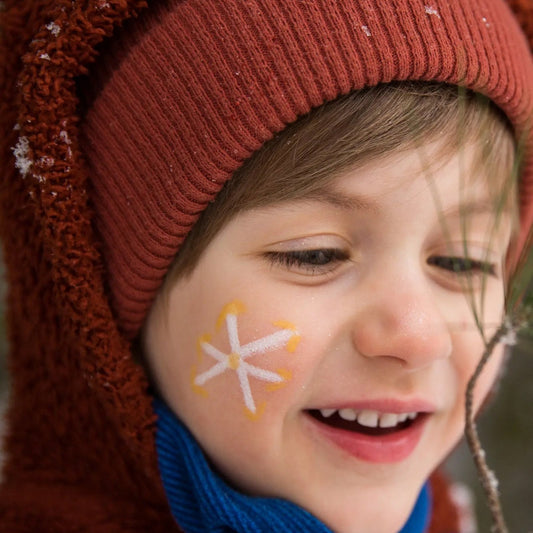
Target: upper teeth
column 371, row 419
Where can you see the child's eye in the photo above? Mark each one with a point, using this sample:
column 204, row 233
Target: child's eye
column 315, row 261
column 463, row 265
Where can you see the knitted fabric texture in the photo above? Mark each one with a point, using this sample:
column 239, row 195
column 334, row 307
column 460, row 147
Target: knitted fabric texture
column 200, row 85
column 203, row 503
column 80, row 449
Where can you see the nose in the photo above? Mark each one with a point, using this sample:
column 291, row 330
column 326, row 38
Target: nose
column 402, row 321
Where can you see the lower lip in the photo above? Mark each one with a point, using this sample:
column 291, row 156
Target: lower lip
column 391, row 448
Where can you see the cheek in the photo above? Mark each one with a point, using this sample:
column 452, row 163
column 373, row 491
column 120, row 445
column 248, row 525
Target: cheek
column 489, row 376
column 243, row 359
column 469, row 344
column 467, row 359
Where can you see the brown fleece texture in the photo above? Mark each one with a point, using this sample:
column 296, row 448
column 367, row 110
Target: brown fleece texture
column 80, row 441
column 80, row 449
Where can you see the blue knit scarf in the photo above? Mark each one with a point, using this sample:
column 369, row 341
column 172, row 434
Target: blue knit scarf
column 201, row 502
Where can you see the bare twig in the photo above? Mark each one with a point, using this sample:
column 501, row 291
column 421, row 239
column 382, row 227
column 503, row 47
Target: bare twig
column 488, row 479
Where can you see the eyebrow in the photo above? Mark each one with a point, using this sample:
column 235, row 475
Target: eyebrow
column 347, row 202
column 477, row 207
column 343, row 201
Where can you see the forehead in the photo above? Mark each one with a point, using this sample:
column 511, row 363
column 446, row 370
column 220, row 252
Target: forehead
column 455, row 178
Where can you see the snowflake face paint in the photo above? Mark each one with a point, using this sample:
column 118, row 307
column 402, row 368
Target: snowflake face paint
column 236, row 359
column 371, row 400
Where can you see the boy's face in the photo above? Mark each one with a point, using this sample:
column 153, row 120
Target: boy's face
column 303, row 316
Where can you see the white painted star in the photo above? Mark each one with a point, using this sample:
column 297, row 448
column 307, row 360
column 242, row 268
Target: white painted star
column 236, row 359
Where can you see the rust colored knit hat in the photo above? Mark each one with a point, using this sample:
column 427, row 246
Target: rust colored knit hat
column 195, row 87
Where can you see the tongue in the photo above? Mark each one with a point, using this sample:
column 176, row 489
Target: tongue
column 337, row 422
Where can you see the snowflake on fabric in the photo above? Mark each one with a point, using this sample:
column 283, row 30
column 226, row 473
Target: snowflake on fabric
column 21, row 151
column 236, row 359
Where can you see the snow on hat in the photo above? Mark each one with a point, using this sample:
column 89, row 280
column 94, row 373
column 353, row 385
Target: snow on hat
column 194, row 87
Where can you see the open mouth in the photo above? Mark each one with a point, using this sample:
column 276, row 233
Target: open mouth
column 371, row 423
column 370, row 435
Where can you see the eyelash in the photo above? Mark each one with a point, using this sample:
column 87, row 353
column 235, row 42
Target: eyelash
column 323, row 260
column 314, row 261
column 463, row 265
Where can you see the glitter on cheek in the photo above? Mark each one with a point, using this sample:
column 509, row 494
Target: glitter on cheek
column 236, row 359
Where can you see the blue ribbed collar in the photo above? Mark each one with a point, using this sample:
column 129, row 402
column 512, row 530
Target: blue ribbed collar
column 201, row 502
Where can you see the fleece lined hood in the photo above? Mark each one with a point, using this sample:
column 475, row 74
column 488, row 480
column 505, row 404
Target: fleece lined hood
column 79, row 449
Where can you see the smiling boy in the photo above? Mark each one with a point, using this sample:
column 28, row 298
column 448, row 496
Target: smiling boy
column 371, row 272
column 249, row 243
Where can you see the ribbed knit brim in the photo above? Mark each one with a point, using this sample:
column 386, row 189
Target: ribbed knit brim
column 193, row 88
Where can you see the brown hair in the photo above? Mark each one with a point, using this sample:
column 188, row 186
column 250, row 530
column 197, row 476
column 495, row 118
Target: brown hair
column 347, row 133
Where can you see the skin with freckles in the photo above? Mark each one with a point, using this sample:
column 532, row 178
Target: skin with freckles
column 379, row 283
